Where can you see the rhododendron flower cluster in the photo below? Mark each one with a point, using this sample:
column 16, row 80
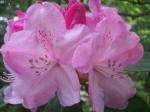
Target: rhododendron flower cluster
column 48, row 47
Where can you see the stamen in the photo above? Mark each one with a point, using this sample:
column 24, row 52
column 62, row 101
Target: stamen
column 36, row 61
column 46, row 56
column 113, row 69
column 9, row 78
column 40, row 64
column 120, row 65
column 41, row 58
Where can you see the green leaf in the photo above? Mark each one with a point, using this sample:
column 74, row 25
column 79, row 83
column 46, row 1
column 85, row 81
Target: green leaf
column 136, row 104
column 143, row 65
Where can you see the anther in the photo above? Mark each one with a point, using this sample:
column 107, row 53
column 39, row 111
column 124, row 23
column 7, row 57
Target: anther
column 41, row 58
column 109, row 65
column 32, row 67
column 46, row 56
column 120, row 65
column 31, row 60
column 36, row 61
column 109, row 61
column 36, row 71
column 7, row 77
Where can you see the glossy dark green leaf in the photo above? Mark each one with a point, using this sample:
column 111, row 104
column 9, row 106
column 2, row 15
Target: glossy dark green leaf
column 143, row 65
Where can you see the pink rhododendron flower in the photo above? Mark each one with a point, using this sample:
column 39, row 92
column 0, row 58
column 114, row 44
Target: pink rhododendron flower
column 39, row 58
column 47, row 46
column 14, row 25
column 111, row 48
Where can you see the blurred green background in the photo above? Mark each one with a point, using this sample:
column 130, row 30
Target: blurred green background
column 135, row 12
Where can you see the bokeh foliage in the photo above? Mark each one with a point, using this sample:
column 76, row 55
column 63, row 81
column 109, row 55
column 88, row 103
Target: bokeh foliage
column 135, row 12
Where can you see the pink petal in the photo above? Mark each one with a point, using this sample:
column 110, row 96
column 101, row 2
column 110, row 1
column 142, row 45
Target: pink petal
column 82, row 57
column 10, row 30
column 14, row 25
column 130, row 54
column 92, row 19
column 39, row 75
column 71, row 3
column 94, row 6
column 47, row 18
column 112, row 32
column 75, row 15
column 121, row 91
column 134, row 55
column 24, row 56
column 31, row 92
column 114, row 25
column 72, row 39
column 109, row 12
column 35, row 91
column 10, row 97
column 116, row 90
column 18, row 25
column 60, row 9
column 39, row 2
column 96, row 93
column 67, row 84
column 20, row 14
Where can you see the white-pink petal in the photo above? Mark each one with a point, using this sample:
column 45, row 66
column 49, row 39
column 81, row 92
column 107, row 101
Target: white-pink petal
column 96, row 93
column 47, row 18
column 68, row 86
